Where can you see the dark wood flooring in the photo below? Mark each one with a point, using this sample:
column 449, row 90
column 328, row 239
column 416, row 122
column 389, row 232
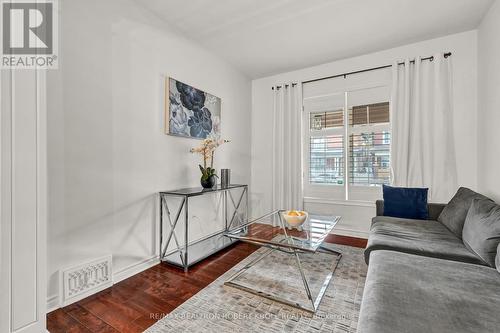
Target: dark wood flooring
column 136, row 303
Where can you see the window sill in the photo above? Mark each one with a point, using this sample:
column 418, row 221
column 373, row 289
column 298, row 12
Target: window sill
column 358, row 203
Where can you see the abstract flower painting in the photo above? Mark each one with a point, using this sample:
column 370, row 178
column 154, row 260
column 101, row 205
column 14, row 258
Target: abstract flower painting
column 191, row 112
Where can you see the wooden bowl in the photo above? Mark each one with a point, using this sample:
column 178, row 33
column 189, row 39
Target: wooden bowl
column 294, row 220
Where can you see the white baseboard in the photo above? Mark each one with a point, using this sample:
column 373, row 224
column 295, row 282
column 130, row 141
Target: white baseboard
column 134, row 269
column 350, row 233
column 53, row 302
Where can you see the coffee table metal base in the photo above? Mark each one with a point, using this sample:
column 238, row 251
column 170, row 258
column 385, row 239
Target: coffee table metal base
column 313, row 306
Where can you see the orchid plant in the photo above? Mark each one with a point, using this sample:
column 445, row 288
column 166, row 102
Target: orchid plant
column 207, row 150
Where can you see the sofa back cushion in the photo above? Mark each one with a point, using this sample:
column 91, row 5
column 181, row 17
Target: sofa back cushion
column 497, row 262
column 481, row 233
column 403, row 202
column 454, row 214
column 434, row 209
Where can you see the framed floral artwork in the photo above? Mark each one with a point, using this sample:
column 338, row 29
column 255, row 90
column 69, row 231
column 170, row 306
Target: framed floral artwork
column 190, row 112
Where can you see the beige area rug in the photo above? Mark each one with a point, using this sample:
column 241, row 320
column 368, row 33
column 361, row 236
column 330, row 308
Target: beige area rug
column 221, row 308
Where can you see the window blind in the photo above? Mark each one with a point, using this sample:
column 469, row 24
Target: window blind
column 377, row 113
column 326, row 119
column 326, row 160
column 369, row 158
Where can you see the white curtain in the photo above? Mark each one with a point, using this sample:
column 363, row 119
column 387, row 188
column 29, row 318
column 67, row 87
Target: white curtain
column 423, row 145
column 287, row 160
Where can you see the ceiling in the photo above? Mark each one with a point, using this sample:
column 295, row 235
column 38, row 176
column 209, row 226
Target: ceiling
column 264, row 37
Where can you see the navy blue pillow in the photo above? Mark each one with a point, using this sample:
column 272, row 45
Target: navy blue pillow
column 404, row 202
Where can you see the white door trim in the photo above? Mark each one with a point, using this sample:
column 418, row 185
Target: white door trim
column 23, row 201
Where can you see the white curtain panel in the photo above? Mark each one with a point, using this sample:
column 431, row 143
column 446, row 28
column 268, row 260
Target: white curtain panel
column 287, row 144
column 423, row 145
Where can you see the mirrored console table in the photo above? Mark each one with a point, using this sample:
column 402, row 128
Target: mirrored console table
column 183, row 246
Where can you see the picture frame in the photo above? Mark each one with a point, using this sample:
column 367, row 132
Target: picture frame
column 191, row 112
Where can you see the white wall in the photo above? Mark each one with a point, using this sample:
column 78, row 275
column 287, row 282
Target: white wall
column 489, row 103
column 357, row 215
column 108, row 154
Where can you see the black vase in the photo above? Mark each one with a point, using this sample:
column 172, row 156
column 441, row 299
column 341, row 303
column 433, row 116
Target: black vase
column 209, row 182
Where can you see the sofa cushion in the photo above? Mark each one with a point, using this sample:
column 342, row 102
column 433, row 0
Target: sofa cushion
column 497, row 260
column 410, row 203
column 481, row 232
column 454, row 214
column 408, row 293
column 426, row 238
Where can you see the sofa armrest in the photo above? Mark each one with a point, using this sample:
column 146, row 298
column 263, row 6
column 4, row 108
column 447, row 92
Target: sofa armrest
column 434, row 209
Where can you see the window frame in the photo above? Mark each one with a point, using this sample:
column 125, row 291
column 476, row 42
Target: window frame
column 317, row 189
column 346, row 191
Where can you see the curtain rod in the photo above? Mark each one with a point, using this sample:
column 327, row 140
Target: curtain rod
column 286, row 86
column 431, row 58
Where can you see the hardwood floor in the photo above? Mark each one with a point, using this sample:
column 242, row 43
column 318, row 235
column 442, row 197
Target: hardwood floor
column 138, row 302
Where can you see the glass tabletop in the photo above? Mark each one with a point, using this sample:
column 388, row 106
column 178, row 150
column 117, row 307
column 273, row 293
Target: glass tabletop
column 273, row 231
column 194, row 191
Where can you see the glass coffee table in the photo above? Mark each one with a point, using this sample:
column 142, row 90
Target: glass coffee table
column 308, row 239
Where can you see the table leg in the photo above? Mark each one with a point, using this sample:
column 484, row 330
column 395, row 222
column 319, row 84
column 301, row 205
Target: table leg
column 186, row 239
column 161, row 228
column 172, row 229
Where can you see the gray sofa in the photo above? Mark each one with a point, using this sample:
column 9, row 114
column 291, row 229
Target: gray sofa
column 428, row 238
column 423, row 278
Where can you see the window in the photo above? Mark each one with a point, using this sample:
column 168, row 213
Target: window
column 326, row 147
column 369, row 159
column 327, row 160
column 369, row 145
column 348, row 143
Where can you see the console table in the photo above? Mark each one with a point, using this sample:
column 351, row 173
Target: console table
column 187, row 252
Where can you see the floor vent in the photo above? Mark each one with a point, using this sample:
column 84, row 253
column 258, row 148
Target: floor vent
column 84, row 280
